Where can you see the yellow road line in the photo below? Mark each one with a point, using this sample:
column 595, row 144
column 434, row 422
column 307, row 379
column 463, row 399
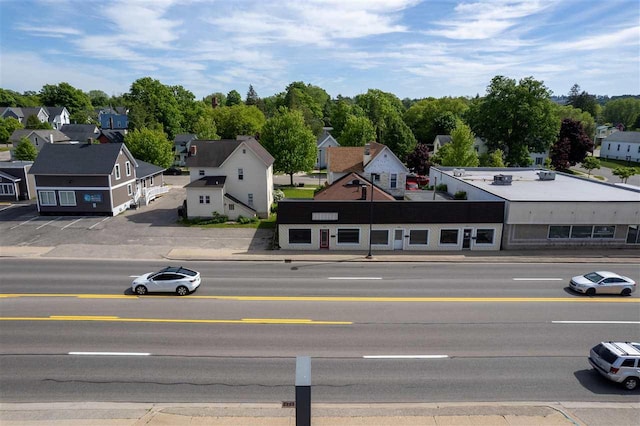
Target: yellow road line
column 294, row 321
column 578, row 299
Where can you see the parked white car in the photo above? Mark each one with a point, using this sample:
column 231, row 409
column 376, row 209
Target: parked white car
column 172, row 279
column 602, row 282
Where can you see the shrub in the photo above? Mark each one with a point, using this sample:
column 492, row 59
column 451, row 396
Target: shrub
column 441, row 187
column 245, row 220
column 460, row 195
column 278, row 195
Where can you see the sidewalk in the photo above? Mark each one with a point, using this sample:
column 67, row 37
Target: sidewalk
column 493, row 414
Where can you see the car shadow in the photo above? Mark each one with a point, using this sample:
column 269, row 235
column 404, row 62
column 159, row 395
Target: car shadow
column 595, row 383
column 574, row 293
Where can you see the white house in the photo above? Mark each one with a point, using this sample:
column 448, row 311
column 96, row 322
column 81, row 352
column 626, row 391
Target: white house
column 621, row 146
column 325, row 140
column 373, row 161
column 231, row 177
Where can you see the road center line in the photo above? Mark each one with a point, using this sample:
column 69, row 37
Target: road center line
column 595, row 322
column 111, row 353
column 405, row 356
column 71, row 223
column 354, row 278
column 537, row 279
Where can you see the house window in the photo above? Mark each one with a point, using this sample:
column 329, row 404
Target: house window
column 204, row 199
column 484, row 236
column 618, row 147
column 449, row 236
column 299, row 236
column 348, row 236
column 117, row 171
column 604, row 231
column 244, row 151
column 127, row 167
column 151, row 181
column 538, row 161
column 129, row 189
column 240, row 174
column 419, row 237
column 67, row 198
column 380, row 237
column 394, row 181
column 324, row 216
column 581, row 231
column 232, row 207
column 6, row 189
column 559, row 231
column 47, row 198
column 201, row 172
column 375, row 177
column 628, row 148
column 250, row 197
column 608, row 146
column 633, row 234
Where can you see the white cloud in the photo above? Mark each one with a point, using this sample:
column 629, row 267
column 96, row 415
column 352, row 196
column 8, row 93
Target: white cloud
column 48, row 31
column 609, row 40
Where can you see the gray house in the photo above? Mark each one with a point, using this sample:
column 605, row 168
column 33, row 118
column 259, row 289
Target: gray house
column 15, row 183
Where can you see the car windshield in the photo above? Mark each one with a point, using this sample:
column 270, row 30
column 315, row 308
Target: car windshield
column 593, row 277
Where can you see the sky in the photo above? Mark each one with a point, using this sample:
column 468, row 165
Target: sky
column 411, row 48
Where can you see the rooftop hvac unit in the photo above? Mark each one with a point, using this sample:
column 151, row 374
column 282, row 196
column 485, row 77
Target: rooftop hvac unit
column 502, row 179
column 546, row 175
column 458, row 172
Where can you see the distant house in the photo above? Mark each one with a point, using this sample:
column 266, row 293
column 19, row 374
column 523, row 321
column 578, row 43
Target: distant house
column 352, row 187
column 15, row 183
column 374, row 161
column 56, row 116
column 621, row 146
column 324, row 141
column 112, row 136
column 90, row 179
column 38, row 138
column 602, row 132
column 81, row 132
column 230, row 177
column 480, row 146
column 181, row 146
column 113, row 118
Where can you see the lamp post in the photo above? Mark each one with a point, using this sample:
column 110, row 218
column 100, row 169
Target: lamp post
column 369, row 256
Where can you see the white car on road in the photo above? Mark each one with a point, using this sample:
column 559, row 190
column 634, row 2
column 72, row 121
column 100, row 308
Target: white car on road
column 172, row 279
column 604, row 282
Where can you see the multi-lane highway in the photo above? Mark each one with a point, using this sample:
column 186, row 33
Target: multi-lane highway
column 70, row 330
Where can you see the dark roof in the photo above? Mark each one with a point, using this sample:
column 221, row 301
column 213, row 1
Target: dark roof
column 208, row 181
column 80, row 132
column 213, row 153
column 113, row 135
column 631, row 137
column 183, row 138
column 119, row 110
column 349, row 187
column 14, row 164
column 443, row 139
column 76, row 159
column 145, row 169
column 45, row 134
column 53, row 111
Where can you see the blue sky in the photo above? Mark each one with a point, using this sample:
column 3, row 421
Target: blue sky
column 410, row 48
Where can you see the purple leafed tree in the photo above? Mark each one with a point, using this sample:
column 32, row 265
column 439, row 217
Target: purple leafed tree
column 418, row 160
column 572, row 146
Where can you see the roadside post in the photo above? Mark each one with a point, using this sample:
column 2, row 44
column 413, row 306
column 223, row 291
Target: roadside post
column 303, row 391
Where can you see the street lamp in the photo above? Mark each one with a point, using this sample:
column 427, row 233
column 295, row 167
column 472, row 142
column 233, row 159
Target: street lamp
column 369, row 256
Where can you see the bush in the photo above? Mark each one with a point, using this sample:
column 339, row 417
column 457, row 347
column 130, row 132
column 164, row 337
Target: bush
column 441, row 187
column 460, row 195
column 245, row 220
column 278, row 195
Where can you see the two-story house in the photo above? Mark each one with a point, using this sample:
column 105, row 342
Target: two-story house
column 324, row 141
column 56, row 116
column 113, row 118
column 181, row 147
column 38, row 138
column 231, row 177
column 374, row 161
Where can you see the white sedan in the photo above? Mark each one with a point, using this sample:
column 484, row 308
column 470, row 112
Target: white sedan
column 602, row 282
column 172, row 279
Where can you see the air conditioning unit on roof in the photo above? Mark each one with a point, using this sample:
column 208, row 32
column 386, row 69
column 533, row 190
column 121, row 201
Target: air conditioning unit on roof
column 502, row 179
column 546, row 175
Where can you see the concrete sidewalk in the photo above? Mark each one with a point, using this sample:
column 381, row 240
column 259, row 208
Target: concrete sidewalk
column 498, row 414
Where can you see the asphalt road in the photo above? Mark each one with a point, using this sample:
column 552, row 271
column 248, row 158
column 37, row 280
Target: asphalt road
column 470, row 332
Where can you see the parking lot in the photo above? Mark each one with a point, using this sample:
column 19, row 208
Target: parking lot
column 152, row 227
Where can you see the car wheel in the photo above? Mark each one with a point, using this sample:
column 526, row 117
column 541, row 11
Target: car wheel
column 141, row 290
column 626, row 292
column 590, row 292
column 182, row 291
column 630, row 383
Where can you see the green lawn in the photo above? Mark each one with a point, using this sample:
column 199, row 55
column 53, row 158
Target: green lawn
column 2, row 148
column 260, row 224
column 612, row 164
column 299, row 192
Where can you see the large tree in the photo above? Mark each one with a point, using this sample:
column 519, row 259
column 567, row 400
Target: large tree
column 357, row 131
column 33, row 122
column 291, row 143
column 233, row 98
column 460, row 151
column 583, row 101
column 237, row 120
column 622, row 111
column 7, row 127
column 65, row 95
column 567, row 111
column 151, row 103
column 419, row 160
column 516, row 118
column 151, row 146
column 572, row 146
column 252, row 96
column 428, row 118
column 98, row 98
column 311, row 100
column 25, row 151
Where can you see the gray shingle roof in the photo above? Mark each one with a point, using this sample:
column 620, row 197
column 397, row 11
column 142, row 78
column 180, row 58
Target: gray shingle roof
column 80, row 132
column 58, row 136
column 214, row 153
column 632, row 137
column 208, row 181
column 114, row 136
column 145, row 169
column 76, row 159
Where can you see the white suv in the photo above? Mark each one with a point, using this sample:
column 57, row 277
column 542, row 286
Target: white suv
column 618, row 362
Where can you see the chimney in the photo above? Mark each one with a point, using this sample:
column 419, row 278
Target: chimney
column 89, row 141
column 364, row 192
column 214, row 102
column 50, row 137
column 367, row 153
column 193, row 150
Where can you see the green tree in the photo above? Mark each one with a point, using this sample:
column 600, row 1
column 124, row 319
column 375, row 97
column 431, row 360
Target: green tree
column 589, row 163
column 252, row 96
column 622, row 111
column 65, row 95
column 398, row 137
column 493, row 159
column 221, row 99
column 98, row 98
column 237, row 120
column 624, row 173
column 459, row 152
column 153, row 105
column 311, row 100
column 291, row 143
column 233, row 98
column 33, row 122
column 151, row 146
column 357, row 131
column 515, row 117
column 7, row 127
column 205, row 128
column 25, row 151
column 583, row 101
column 588, row 123
column 428, row 118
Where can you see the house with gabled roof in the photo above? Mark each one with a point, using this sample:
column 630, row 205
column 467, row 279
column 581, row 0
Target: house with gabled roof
column 15, row 183
column 86, row 179
column 56, row 116
column 112, row 135
column 38, row 138
column 81, row 132
column 181, row 146
column 374, row 161
column 352, row 187
column 229, row 177
column 113, row 117
column 621, row 146
column 324, row 141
